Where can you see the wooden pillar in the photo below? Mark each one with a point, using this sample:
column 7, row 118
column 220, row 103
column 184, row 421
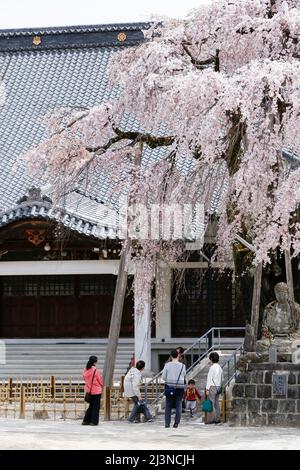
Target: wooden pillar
column 22, row 402
column 223, row 407
column 256, row 300
column 52, row 386
column 116, row 318
column 126, row 406
column 122, row 384
column 10, row 389
column 107, row 404
column 289, row 274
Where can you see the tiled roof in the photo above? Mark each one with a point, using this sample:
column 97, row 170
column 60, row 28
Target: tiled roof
column 35, row 211
column 68, row 68
column 38, row 80
column 42, row 208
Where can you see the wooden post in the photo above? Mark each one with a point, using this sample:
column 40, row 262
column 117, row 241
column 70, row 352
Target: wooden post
column 116, row 318
column 126, row 407
column 122, row 384
column 256, row 300
column 22, row 402
column 52, row 386
column 223, row 407
column 10, row 389
column 289, row 274
column 107, row 404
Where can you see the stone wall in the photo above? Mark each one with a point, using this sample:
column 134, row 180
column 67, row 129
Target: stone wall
column 266, row 395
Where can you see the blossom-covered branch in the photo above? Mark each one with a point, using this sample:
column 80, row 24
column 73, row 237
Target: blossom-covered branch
column 219, row 89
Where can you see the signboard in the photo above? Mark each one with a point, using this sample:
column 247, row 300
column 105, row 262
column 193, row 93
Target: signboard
column 273, row 354
column 280, row 384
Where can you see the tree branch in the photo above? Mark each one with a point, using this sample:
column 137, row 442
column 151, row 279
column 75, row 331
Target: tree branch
column 235, row 136
column 74, row 121
column 199, row 64
column 148, row 139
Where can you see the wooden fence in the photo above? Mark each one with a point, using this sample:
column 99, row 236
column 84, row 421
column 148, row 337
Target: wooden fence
column 56, row 399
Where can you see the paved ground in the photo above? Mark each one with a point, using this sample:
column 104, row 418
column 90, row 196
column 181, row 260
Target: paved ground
column 25, row 434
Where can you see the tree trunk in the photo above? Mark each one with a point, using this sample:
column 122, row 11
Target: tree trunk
column 289, row 274
column 256, row 300
column 116, row 318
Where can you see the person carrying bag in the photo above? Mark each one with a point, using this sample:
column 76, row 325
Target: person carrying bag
column 174, row 375
column 132, row 384
column 169, row 389
column 214, row 388
column 88, row 395
column 93, row 390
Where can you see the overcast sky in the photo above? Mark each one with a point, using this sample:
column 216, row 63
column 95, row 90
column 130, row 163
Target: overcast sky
column 28, row 13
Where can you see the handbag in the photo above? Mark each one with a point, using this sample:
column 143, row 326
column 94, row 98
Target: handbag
column 170, row 390
column 207, row 405
column 88, row 395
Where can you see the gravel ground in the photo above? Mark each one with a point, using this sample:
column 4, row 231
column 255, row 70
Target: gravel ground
column 20, row 434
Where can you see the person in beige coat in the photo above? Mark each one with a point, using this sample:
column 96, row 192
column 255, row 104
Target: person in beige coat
column 132, row 383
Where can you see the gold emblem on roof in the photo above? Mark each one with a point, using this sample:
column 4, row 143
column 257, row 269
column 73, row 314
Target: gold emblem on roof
column 36, row 236
column 37, row 40
column 122, row 37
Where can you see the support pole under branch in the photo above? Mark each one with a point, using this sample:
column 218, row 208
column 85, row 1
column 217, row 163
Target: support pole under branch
column 256, row 300
column 116, row 318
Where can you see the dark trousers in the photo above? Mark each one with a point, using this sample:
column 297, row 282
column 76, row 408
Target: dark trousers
column 139, row 409
column 177, row 400
column 183, row 404
column 93, row 411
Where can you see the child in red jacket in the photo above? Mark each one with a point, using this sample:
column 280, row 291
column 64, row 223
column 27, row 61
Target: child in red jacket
column 192, row 397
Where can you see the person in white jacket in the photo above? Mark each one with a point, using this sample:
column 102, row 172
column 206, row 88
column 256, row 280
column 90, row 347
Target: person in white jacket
column 214, row 387
column 132, row 383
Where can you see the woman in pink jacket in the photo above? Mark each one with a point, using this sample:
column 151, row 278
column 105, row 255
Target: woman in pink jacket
column 93, row 385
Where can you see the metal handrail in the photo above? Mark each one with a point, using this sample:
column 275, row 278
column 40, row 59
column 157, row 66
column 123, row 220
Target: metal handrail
column 241, row 328
column 208, row 340
column 210, row 343
column 233, row 356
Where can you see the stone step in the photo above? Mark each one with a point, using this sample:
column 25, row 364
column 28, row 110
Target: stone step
column 59, row 356
column 43, row 359
column 67, row 348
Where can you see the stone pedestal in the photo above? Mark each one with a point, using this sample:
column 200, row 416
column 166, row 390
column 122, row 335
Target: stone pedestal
column 266, row 394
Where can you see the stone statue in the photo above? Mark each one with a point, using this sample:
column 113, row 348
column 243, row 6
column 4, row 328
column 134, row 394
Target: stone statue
column 282, row 316
column 281, row 323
